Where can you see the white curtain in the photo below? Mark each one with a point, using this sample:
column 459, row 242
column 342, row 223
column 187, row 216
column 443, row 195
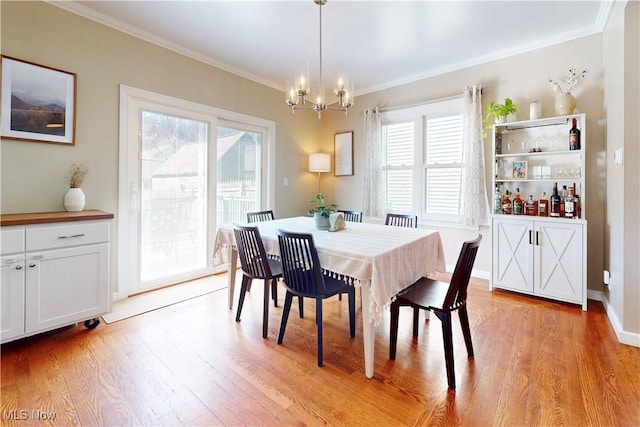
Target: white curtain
column 474, row 206
column 372, row 198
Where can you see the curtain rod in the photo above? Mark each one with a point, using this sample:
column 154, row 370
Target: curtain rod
column 431, row 101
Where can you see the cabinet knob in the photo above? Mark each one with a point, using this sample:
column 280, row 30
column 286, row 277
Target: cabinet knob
column 19, row 267
column 33, row 264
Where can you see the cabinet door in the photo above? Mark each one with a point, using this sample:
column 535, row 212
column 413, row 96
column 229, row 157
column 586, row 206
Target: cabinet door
column 66, row 286
column 12, row 297
column 558, row 260
column 512, row 254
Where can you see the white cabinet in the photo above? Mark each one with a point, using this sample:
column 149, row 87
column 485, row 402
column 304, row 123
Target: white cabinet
column 54, row 273
column 540, row 257
column 532, row 254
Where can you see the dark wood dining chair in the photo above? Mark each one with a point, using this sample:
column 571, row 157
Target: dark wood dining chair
column 352, row 216
column 442, row 298
column 303, row 278
column 260, row 216
column 402, row 220
column 255, row 264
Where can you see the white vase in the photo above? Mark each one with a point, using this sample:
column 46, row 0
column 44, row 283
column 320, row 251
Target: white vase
column 565, row 104
column 322, row 223
column 74, row 200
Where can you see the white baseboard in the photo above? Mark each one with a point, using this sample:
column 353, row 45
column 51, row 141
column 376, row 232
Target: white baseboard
column 625, row 337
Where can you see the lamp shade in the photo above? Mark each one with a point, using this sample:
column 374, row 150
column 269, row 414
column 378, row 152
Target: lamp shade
column 319, row 162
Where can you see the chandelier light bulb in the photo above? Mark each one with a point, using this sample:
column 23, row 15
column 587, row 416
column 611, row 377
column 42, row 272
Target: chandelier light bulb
column 296, row 96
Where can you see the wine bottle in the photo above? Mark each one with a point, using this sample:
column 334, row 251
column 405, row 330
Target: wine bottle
column 563, row 196
column 574, row 136
column 555, row 202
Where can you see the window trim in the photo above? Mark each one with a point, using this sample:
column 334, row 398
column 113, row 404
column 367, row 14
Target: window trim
column 419, row 115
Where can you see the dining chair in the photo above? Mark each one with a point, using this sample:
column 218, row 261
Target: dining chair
column 353, row 216
column 255, row 264
column 303, row 278
column 402, row 220
column 260, row 216
column 442, row 298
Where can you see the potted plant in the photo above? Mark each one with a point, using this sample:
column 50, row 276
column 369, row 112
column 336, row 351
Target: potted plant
column 321, row 211
column 499, row 112
column 74, row 198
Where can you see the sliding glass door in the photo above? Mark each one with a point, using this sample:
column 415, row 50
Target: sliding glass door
column 185, row 170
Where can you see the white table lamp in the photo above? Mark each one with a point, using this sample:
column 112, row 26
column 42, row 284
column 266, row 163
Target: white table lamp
column 319, row 162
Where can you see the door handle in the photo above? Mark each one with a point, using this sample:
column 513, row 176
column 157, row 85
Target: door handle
column 537, row 238
column 530, row 237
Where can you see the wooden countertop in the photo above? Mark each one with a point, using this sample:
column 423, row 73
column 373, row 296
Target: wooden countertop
column 52, row 217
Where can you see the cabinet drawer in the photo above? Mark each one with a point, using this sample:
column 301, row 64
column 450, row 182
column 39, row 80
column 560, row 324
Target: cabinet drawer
column 61, row 236
column 11, row 241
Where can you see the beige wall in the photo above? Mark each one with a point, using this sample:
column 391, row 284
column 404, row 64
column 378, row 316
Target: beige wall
column 621, row 56
column 522, row 78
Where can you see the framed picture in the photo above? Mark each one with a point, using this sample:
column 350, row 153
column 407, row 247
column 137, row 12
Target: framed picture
column 38, row 103
column 343, row 158
column 520, row 170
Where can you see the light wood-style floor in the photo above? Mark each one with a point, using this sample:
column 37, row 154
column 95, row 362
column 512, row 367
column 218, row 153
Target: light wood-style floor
column 537, row 363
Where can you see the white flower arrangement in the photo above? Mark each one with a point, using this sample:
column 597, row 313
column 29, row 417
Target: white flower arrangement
column 571, row 81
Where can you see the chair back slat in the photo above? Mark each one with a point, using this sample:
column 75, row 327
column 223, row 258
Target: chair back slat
column 301, row 269
column 457, row 293
column 260, row 216
column 253, row 257
column 402, row 220
column 352, row 216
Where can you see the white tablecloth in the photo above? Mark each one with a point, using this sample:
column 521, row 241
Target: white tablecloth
column 390, row 258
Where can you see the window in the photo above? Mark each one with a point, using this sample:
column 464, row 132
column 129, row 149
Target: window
column 422, row 160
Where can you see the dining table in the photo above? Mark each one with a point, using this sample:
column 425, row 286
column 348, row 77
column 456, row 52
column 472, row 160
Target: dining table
column 380, row 259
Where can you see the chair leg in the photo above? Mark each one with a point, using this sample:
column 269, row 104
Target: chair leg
column 274, row 291
column 466, row 331
column 352, row 312
column 301, row 307
column 246, row 282
column 319, row 323
column 447, row 338
column 285, row 315
column 265, row 309
column 393, row 330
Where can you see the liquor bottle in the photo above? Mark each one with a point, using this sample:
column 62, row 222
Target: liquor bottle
column 576, row 204
column 517, row 203
column 497, row 202
column 530, row 206
column 574, row 136
column 554, row 202
column 506, row 203
column 543, row 205
column 569, row 204
column 562, row 197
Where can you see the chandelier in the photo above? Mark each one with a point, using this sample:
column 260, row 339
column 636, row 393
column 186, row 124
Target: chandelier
column 298, row 89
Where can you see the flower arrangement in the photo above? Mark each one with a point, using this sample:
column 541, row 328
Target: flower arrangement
column 320, row 205
column 77, row 174
column 571, row 79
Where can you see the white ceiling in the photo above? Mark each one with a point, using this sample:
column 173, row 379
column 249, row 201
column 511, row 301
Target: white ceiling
column 384, row 43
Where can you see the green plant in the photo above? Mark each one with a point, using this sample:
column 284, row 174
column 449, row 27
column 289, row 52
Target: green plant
column 320, row 205
column 495, row 111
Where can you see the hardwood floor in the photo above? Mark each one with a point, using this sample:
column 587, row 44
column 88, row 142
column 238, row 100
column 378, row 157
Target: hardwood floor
column 536, row 362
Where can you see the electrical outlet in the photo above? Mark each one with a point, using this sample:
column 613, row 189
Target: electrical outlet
column 606, row 277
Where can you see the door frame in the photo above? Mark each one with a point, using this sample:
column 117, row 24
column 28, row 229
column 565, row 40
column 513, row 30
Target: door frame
column 127, row 198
